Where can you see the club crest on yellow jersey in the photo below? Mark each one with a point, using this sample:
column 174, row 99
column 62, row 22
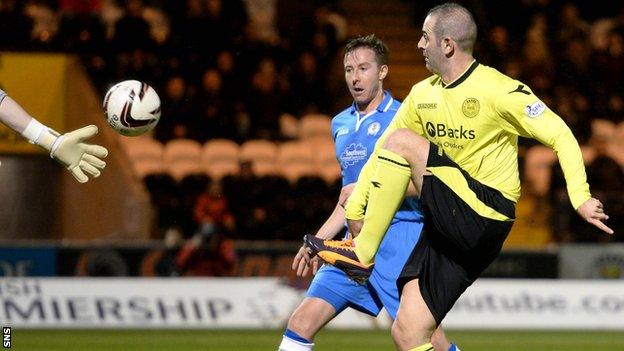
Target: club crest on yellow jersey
column 471, row 107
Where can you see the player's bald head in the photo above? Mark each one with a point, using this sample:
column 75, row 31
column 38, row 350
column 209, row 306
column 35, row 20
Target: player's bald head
column 454, row 21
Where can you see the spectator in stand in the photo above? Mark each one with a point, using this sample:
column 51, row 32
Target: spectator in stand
column 137, row 64
column 207, row 254
column 574, row 65
column 262, row 19
column 231, row 79
column 13, row 20
column 81, row 29
column 571, row 25
column 608, row 177
column 607, row 69
column 132, row 31
column 177, row 111
column 214, row 108
column 574, row 108
column 212, row 210
column 308, row 86
column 537, row 56
column 499, row 49
column 265, row 100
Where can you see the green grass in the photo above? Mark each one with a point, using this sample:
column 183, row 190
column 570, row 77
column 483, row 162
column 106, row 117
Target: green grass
column 329, row 340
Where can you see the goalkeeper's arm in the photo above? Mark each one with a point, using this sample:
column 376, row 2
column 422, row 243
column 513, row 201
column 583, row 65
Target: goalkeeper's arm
column 68, row 149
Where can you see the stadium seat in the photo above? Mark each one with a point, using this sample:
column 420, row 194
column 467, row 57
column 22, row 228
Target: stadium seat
column 289, row 126
column 220, row 157
column 603, row 128
column 538, row 164
column 327, row 166
column 615, row 149
column 182, row 157
column 146, row 156
column 589, row 154
column 294, row 160
column 315, row 125
column 607, row 139
column 262, row 154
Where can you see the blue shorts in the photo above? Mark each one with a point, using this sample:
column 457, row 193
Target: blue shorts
column 333, row 285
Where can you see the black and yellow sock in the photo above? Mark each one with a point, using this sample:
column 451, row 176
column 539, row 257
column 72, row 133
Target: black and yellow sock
column 386, row 195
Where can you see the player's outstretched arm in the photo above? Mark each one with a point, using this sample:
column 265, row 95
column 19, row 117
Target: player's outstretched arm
column 593, row 212
column 68, row 149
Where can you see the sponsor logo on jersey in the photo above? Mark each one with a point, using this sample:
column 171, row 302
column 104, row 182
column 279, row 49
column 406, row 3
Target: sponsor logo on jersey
column 342, row 132
column 427, row 105
column 353, row 154
column 471, row 107
column 440, row 130
column 373, row 129
column 535, row 109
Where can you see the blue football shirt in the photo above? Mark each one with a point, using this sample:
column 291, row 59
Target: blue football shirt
column 355, row 136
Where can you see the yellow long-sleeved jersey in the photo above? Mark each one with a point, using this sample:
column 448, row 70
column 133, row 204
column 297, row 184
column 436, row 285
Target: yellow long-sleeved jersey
column 476, row 120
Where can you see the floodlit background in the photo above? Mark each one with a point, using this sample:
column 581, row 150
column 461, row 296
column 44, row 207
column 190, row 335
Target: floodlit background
column 186, row 239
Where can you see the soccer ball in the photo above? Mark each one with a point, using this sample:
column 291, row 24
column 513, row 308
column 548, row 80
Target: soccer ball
column 132, row 107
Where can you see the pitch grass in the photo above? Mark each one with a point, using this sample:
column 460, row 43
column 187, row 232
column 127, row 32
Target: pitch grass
column 329, row 340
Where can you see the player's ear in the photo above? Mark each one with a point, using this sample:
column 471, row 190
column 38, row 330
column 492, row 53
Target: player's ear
column 447, row 45
column 383, row 71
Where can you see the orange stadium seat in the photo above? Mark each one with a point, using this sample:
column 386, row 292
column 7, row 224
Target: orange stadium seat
column 615, row 149
column 182, row 157
column 146, row 156
column 314, row 126
column 295, row 160
column 220, row 157
column 327, row 166
column 262, row 154
column 538, row 162
column 289, row 126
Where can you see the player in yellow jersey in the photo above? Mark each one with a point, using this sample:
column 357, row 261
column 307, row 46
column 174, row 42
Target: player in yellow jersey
column 456, row 138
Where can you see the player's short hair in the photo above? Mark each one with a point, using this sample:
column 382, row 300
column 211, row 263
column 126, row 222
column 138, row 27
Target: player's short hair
column 371, row 42
column 455, row 21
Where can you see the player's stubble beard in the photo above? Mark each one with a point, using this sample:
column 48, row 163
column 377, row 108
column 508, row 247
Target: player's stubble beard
column 376, row 90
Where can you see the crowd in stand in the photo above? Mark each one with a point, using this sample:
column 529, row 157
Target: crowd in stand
column 223, row 68
column 230, row 69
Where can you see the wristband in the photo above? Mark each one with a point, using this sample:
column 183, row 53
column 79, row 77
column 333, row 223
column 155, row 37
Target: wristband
column 33, row 131
column 41, row 135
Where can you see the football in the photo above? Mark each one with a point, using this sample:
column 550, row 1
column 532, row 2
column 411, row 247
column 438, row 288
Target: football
column 132, row 107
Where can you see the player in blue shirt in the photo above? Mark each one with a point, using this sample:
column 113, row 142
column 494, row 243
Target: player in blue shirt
column 355, row 132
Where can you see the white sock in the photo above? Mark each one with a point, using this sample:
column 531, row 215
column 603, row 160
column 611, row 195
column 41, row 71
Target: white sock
column 289, row 344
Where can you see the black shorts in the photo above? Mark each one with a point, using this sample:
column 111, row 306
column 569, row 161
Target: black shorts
column 466, row 224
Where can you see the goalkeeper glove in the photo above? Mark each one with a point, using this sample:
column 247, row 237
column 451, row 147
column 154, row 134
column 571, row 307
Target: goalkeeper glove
column 69, row 149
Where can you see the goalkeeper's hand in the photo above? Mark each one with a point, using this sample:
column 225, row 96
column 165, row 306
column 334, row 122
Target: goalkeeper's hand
column 71, row 151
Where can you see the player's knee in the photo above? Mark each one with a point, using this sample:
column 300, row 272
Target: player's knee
column 302, row 325
column 401, row 332
column 410, row 332
column 405, row 142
